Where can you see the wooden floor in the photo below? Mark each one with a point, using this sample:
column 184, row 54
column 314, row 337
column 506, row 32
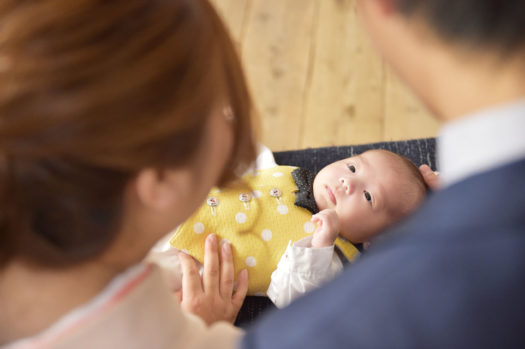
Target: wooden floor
column 314, row 77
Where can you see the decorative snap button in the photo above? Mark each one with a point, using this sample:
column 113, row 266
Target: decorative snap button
column 245, row 197
column 212, row 201
column 276, row 192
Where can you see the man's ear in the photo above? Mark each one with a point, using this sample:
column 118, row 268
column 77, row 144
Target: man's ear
column 158, row 189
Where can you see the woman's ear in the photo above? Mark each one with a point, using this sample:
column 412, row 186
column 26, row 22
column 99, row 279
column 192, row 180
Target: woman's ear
column 161, row 190
column 379, row 7
column 387, row 6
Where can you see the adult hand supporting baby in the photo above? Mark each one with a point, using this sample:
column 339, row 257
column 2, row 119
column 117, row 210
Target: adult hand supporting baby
column 431, row 178
column 212, row 298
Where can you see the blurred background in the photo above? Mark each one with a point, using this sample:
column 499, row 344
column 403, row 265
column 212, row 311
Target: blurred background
column 315, row 79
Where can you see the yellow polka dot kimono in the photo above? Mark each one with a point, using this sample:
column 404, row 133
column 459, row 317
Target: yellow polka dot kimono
column 258, row 217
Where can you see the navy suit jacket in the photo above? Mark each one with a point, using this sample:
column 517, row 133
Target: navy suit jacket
column 451, row 276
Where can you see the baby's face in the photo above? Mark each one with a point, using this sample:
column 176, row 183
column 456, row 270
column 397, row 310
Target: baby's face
column 361, row 189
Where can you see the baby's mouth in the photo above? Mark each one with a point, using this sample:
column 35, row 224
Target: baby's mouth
column 331, row 195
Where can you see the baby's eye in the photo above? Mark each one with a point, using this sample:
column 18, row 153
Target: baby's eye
column 368, row 196
column 351, row 168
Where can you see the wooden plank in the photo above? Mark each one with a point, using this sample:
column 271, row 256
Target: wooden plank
column 276, row 54
column 346, row 95
column 234, row 13
column 405, row 116
column 314, row 78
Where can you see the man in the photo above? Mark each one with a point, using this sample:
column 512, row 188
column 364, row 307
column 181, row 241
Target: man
column 453, row 275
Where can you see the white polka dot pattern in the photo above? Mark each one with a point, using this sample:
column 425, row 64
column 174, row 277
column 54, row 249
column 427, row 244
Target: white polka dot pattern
column 198, row 228
column 309, row 227
column 240, row 217
column 259, row 230
column 266, row 234
column 251, row 262
column 282, row 209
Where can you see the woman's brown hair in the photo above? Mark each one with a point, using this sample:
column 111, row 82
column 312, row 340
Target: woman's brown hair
column 91, row 92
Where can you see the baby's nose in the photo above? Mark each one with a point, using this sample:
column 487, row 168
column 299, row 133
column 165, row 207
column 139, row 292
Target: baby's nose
column 345, row 183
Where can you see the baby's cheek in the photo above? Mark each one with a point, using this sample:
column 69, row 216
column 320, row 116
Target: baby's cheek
column 321, row 201
column 359, row 226
column 348, row 224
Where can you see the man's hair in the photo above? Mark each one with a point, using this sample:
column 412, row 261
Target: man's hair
column 497, row 24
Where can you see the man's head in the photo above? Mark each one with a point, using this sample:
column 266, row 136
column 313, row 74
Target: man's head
column 458, row 56
column 494, row 24
column 478, row 25
column 369, row 192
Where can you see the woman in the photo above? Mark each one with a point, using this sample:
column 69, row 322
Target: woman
column 114, row 123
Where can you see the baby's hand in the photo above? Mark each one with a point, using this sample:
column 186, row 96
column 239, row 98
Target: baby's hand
column 327, row 229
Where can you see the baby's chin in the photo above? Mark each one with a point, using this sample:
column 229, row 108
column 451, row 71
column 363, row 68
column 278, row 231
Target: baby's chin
column 359, row 236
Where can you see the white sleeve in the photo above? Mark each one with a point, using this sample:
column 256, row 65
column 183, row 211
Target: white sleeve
column 167, row 259
column 301, row 269
column 265, row 158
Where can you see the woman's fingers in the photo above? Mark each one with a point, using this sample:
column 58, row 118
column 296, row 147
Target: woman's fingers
column 226, row 271
column 210, row 274
column 212, row 298
column 240, row 293
column 191, row 280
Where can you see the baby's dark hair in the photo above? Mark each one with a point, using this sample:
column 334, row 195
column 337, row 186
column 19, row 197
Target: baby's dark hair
column 414, row 190
column 414, row 171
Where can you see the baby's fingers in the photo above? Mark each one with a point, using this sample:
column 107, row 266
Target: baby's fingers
column 318, row 219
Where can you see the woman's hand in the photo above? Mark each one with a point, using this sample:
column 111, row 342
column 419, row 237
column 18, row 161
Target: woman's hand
column 430, row 177
column 212, row 298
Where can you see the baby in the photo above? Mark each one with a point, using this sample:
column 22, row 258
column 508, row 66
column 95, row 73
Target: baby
column 293, row 229
column 358, row 197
